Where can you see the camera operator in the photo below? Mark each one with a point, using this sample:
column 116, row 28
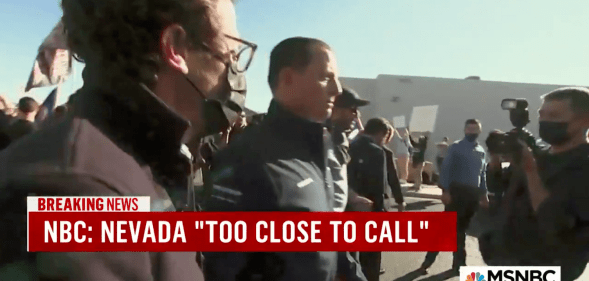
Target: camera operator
column 496, row 175
column 556, row 193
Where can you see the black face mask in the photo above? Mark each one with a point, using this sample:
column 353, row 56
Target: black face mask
column 471, row 137
column 554, row 133
column 222, row 111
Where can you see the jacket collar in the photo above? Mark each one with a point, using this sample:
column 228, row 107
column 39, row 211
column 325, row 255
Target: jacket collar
column 277, row 114
column 335, row 128
column 294, row 127
column 473, row 143
column 131, row 115
column 368, row 139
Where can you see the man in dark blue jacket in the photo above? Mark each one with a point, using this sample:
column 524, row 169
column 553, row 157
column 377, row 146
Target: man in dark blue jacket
column 345, row 112
column 281, row 165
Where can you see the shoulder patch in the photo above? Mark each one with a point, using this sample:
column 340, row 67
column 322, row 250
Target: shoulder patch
column 304, row 183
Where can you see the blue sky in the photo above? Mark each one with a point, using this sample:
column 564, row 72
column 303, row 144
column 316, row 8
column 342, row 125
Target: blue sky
column 515, row 41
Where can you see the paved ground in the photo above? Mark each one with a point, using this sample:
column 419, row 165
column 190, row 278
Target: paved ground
column 400, row 266
column 426, row 191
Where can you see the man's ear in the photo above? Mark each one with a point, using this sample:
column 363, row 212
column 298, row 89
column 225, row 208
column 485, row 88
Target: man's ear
column 174, row 46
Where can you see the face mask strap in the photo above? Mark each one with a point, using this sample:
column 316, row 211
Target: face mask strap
column 195, row 88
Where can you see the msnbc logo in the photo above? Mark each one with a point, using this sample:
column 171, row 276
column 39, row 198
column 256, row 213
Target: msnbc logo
column 475, row 277
column 509, row 273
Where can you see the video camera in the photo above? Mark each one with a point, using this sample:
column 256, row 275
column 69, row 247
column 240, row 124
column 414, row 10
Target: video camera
column 507, row 143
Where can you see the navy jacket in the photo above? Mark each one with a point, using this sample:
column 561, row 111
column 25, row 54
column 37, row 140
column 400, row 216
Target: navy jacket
column 280, row 165
column 367, row 172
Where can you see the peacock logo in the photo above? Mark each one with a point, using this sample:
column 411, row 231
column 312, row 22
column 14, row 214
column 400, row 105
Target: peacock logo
column 475, row 277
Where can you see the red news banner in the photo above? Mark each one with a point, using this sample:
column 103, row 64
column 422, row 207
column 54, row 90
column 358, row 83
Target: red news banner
column 107, row 224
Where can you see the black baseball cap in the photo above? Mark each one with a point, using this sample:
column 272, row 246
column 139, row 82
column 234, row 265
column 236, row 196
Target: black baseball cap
column 349, row 99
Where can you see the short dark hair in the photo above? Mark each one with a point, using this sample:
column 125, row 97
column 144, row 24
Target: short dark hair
column 578, row 97
column 27, row 105
column 492, row 140
column 123, row 36
column 376, row 126
column 472, row 122
column 294, row 52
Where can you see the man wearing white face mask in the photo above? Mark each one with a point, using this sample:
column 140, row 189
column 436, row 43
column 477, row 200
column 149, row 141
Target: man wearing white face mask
column 158, row 74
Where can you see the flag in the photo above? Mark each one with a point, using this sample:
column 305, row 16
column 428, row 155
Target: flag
column 46, row 108
column 51, row 100
column 54, row 61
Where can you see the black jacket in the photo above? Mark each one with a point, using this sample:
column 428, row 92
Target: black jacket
column 123, row 142
column 280, row 165
column 564, row 217
column 367, row 171
column 557, row 234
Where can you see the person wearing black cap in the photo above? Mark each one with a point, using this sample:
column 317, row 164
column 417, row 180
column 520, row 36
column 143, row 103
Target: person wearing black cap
column 345, row 112
column 349, row 99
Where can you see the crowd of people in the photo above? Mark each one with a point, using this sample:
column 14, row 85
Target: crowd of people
column 26, row 117
column 161, row 114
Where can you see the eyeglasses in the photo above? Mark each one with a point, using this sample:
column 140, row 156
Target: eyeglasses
column 241, row 59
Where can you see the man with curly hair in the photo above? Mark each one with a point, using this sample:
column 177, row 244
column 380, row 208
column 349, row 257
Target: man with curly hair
column 159, row 74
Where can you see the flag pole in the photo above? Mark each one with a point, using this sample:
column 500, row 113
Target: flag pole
column 58, row 92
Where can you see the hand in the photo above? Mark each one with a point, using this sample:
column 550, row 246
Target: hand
column 200, row 162
column 446, row 199
column 3, row 101
column 359, row 123
column 528, row 161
